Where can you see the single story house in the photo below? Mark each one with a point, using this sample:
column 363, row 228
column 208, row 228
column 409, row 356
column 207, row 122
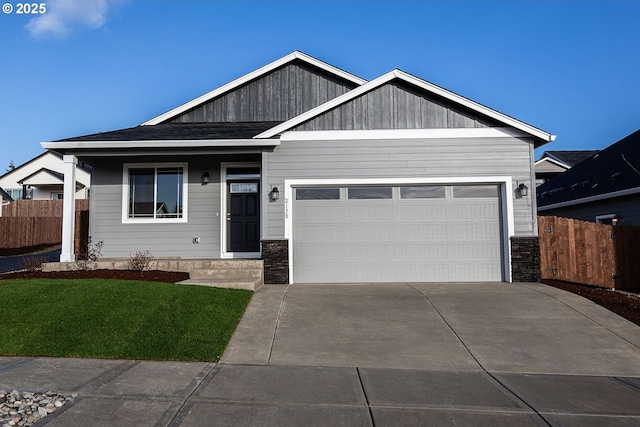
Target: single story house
column 42, row 178
column 604, row 188
column 325, row 176
column 553, row 163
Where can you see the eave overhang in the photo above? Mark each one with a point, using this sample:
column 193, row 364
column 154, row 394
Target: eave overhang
column 159, row 146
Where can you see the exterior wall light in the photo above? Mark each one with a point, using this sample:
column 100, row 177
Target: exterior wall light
column 524, row 190
column 206, row 178
column 274, row 194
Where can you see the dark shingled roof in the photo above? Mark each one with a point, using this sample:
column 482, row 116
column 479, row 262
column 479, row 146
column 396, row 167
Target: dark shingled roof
column 181, row 131
column 569, row 157
column 615, row 168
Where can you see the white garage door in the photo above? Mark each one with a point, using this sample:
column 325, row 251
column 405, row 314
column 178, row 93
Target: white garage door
column 413, row 233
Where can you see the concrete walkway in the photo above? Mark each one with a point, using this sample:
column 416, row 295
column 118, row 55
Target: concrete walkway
column 485, row 354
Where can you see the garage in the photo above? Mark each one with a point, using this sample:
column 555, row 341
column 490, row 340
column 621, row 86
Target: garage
column 397, row 233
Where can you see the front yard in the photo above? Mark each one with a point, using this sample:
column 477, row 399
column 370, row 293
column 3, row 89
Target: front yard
column 108, row 318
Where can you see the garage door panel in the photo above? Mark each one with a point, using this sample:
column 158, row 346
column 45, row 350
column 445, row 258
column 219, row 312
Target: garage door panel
column 416, row 240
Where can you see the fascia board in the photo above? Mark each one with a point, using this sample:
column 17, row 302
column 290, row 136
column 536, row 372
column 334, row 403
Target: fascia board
column 397, row 134
column 509, row 121
column 199, row 143
column 620, row 193
column 251, row 76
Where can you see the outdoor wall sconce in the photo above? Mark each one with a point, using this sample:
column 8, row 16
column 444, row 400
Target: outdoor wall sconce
column 274, row 194
column 523, row 189
column 206, row 178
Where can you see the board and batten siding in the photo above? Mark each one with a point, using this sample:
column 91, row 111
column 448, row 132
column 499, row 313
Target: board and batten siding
column 395, row 106
column 161, row 240
column 401, row 158
column 277, row 96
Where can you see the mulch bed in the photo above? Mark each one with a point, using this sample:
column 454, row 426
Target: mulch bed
column 625, row 304
column 147, row 276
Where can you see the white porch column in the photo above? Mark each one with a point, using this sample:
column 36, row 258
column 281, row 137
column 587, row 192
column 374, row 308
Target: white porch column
column 69, row 208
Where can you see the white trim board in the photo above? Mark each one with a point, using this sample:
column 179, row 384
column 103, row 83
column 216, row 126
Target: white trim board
column 331, row 135
column 506, row 204
column 429, row 87
column 251, row 76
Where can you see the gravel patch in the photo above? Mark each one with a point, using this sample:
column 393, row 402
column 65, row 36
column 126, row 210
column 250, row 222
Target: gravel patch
column 23, row 408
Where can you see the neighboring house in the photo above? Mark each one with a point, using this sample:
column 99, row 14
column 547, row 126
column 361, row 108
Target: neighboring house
column 553, row 163
column 604, row 188
column 5, row 198
column 42, row 178
column 322, row 174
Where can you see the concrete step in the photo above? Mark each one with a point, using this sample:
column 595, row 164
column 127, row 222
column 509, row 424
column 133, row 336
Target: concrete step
column 249, row 285
column 205, row 264
column 227, row 273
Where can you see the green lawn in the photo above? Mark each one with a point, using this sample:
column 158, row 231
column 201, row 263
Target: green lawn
column 117, row 319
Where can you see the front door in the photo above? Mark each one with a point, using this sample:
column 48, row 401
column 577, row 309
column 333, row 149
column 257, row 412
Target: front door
column 243, row 216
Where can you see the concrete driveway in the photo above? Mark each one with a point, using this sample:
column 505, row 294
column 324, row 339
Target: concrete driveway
column 497, row 327
column 481, row 354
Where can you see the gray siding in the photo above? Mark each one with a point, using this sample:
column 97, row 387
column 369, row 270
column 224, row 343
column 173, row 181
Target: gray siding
column 401, row 159
column 277, row 96
column 628, row 208
column 396, row 106
column 162, row 240
column 548, row 167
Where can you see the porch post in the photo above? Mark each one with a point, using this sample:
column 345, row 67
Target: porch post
column 69, row 208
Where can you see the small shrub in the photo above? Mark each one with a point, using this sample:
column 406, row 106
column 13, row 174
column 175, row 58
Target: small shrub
column 33, row 263
column 140, row 261
column 89, row 255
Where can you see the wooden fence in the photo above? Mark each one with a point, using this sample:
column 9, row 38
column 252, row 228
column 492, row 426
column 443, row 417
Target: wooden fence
column 40, row 208
column 31, row 223
column 589, row 253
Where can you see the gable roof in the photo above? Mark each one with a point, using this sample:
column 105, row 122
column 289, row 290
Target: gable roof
column 568, row 158
column 540, row 136
column 18, row 169
column 5, row 196
column 296, row 55
column 561, row 165
column 614, row 171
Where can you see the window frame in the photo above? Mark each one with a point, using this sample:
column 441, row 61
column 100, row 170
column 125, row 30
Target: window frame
column 126, row 167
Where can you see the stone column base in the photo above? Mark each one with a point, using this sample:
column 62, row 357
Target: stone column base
column 275, row 255
column 525, row 258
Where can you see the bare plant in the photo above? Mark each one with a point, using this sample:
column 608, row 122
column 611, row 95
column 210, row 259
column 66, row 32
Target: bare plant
column 33, row 263
column 140, row 261
column 89, row 255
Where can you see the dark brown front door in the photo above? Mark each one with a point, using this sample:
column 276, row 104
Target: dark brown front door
column 243, row 216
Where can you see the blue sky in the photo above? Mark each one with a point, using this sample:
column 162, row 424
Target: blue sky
column 571, row 68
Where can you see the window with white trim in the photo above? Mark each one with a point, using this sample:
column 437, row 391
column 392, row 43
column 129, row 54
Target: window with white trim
column 155, row 193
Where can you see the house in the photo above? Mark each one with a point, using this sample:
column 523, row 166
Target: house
column 553, row 163
column 604, row 188
column 325, row 176
column 42, row 178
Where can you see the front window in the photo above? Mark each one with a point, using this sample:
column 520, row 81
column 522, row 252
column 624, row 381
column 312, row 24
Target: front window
column 155, row 193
